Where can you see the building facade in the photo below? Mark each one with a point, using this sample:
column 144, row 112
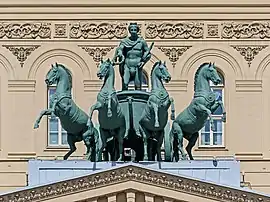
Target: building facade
column 233, row 34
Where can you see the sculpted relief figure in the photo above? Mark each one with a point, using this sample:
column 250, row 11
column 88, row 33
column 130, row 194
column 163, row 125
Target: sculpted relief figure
column 131, row 55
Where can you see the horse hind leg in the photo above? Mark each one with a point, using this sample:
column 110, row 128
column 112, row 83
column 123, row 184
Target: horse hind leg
column 191, row 143
column 159, row 144
column 120, row 137
column 71, row 142
column 180, row 137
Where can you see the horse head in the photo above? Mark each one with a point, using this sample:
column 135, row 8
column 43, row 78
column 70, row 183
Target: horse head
column 212, row 74
column 104, row 68
column 53, row 75
column 161, row 71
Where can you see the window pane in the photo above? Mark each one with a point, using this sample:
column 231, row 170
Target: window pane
column 51, row 90
column 53, row 138
column 218, row 93
column 217, row 138
column 218, row 125
column 205, row 138
column 64, row 138
column 54, row 125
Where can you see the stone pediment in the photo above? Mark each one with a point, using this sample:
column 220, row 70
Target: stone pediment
column 131, row 178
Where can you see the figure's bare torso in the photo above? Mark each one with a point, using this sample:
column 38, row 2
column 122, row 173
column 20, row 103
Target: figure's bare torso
column 134, row 55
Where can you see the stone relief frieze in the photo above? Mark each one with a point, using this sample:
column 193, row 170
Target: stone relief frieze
column 133, row 173
column 173, row 53
column 97, row 52
column 60, row 30
column 245, row 30
column 24, row 30
column 21, row 52
column 178, row 30
column 92, row 30
column 249, row 52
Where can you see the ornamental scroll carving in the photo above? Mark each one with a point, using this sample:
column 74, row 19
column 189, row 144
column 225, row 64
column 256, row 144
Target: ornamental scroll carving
column 133, row 173
column 249, row 52
column 168, row 30
column 104, row 30
column 21, row 52
column 245, row 30
column 25, row 30
column 97, row 53
column 173, row 53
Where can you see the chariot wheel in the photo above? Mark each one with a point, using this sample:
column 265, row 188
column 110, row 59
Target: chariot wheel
column 168, row 147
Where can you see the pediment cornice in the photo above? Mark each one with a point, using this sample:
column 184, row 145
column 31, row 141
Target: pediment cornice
column 138, row 174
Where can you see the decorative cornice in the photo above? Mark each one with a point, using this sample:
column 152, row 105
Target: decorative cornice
column 248, row 85
column 245, row 30
column 92, row 85
column 21, row 85
column 249, row 52
column 25, row 30
column 178, row 30
column 21, row 52
column 97, row 53
column 177, row 85
column 137, row 174
column 173, row 52
column 91, row 30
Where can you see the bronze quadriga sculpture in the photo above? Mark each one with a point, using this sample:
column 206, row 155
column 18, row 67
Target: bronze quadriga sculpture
column 133, row 118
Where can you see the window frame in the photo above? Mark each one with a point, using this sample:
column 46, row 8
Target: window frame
column 215, row 117
column 60, row 131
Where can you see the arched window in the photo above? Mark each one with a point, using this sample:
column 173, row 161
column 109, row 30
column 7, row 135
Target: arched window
column 57, row 136
column 209, row 138
column 145, row 82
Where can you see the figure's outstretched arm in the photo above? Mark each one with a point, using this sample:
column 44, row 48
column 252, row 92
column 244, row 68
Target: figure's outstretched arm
column 119, row 54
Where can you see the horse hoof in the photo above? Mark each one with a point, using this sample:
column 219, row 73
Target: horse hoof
column 156, row 125
column 36, row 126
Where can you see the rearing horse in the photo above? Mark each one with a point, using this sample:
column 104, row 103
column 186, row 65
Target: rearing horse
column 155, row 114
column 194, row 117
column 111, row 119
column 73, row 119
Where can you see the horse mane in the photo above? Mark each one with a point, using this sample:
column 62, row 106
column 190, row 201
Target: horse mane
column 154, row 66
column 68, row 73
column 197, row 73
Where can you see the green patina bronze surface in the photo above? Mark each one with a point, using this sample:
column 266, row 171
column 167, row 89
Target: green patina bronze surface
column 194, row 117
column 112, row 123
column 73, row 119
column 155, row 115
column 132, row 54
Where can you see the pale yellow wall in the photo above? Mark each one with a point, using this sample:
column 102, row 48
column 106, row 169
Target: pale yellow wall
column 23, row 91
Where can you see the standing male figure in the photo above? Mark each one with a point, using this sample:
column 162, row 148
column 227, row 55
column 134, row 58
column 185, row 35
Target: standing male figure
column 132, row 54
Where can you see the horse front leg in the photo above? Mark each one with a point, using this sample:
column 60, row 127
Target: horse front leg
column 155, row 108
column 145, row 136
column 223, row 110
column 172, row 109
column 42, row 113
column 94, row 107
column 208, row 111
column 109, row 113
